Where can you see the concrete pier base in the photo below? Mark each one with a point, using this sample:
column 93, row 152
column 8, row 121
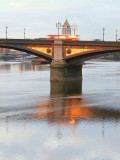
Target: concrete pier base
column 61, row 71
column 66, row 88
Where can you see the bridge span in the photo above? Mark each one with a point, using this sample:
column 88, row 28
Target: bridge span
column 66, row 57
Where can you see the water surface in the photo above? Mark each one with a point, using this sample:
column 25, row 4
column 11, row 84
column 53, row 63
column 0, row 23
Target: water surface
column 55, row 121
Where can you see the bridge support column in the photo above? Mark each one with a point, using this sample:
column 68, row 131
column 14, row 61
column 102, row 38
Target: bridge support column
column 65, row 72
column 59, row 69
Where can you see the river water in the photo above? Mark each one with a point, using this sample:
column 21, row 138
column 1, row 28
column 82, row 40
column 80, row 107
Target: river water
column 59, row 121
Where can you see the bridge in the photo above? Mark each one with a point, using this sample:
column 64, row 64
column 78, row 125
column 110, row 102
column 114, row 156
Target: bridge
column 66, row 57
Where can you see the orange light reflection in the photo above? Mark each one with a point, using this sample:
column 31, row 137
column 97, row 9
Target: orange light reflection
column 73, row 110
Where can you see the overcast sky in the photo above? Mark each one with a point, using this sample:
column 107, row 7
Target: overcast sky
column 39, row 17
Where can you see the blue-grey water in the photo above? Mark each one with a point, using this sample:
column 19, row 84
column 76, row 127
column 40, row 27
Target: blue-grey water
column 40, row 120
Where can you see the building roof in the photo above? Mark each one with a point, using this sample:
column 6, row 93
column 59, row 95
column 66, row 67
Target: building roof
column 66, row 23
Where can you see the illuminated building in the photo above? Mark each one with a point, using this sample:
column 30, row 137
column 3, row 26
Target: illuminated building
column 66, row 28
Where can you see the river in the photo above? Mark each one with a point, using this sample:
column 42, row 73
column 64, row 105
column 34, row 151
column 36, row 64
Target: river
column 59, row 121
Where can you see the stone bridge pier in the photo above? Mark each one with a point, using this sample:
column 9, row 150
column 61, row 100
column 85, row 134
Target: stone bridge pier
column 60, row 70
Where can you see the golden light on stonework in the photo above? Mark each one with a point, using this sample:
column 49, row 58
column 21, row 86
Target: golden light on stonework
column 44, row 50
column 74, row 51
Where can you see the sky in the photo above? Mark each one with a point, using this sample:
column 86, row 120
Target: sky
column 39, row 17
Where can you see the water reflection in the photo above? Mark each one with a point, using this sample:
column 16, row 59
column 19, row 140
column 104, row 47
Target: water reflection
column 67, row 105
column 25, row 67
column 63, row 96
column 18, row 66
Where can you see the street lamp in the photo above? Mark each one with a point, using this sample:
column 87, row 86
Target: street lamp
column 6, row 31
column 24, row 32
column 74, row 28
column 116, row 34
column 103, row 33
column 58, row 26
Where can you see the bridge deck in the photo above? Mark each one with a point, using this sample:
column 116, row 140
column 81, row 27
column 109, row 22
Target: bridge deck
column 65, row 42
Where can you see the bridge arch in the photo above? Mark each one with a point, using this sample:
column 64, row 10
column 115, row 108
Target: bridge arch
column 30, row 51
column 80, row 58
